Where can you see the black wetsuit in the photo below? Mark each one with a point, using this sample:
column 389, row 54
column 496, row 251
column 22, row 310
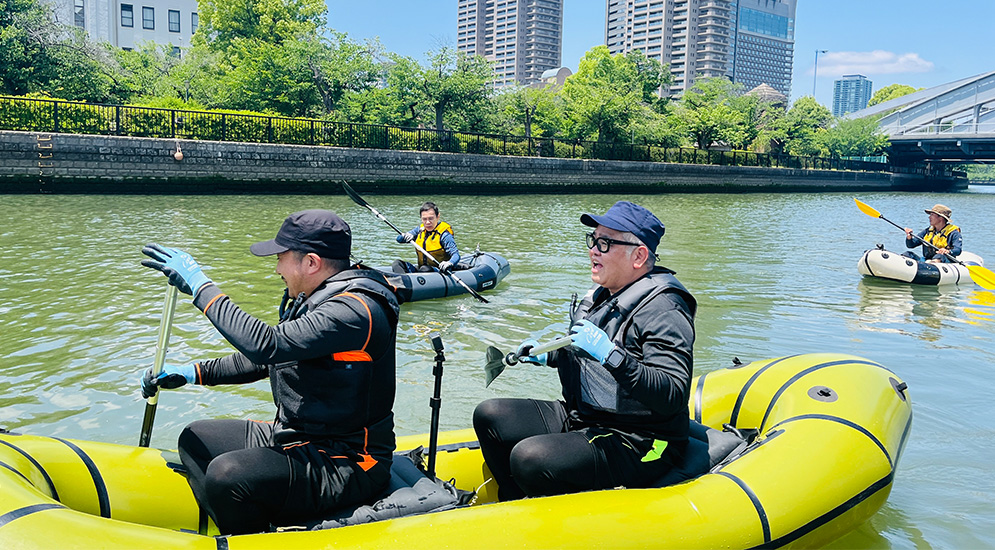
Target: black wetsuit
column 331, row 366
column 621, row 427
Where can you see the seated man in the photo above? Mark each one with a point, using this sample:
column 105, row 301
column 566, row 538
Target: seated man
column 330, row 362
column 942, row 234
column 623, row 420
column 435, row 237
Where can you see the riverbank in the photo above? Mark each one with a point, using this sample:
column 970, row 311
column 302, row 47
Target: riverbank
column 71, row 163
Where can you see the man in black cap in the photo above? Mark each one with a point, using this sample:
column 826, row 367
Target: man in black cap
column 623, row 420
column 330, row 362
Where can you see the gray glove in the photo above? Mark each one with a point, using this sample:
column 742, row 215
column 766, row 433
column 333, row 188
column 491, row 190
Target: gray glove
column 445, row 267
column 405, row 238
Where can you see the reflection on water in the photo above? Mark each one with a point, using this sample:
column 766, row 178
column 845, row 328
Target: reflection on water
column 774, row 274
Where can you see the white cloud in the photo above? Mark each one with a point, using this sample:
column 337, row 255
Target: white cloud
column 836, row 64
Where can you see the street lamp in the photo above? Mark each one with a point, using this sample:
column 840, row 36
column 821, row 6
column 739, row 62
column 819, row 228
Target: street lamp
column 815, row 70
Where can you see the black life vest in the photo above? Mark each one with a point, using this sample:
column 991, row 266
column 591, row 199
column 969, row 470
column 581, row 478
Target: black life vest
column 589, row 388
column 346, row 397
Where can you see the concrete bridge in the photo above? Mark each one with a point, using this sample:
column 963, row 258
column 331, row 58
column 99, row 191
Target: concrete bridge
column 950, row 123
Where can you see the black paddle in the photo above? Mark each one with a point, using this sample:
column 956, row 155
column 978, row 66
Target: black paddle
column 497, row 361
column 984, row 277
column 359, row 200
column 161, row 346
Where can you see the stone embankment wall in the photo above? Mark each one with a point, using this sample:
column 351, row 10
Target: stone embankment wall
column 68, row 163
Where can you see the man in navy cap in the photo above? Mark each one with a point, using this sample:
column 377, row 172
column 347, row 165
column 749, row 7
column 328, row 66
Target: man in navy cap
column 623, row 420
column 330, row 362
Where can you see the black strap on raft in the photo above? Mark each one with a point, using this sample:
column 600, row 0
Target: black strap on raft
column 435, row 403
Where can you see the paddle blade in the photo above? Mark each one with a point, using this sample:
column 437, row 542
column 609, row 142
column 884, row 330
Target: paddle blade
column 495, row 364
column 353, row 195
column 984, row 277
column 866, row 209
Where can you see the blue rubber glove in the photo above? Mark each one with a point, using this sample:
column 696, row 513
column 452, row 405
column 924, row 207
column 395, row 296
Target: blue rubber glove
column 594, row 341
column 405, row 238
column 171, row 377
column 183, row 271
column 523, row 353
column 445, row 267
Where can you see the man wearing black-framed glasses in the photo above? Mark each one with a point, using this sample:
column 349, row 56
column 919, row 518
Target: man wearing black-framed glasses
column 623, row 420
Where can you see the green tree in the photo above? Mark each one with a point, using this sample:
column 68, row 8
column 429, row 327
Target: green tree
column 799, row 131
column 654, row 77
column 341, row 67
column 38, row 54
column 273, row 21
column 890, row 92
column 859, row 137
column 603, row 96
column 710, row 113
column 533, row 112
column 454, row 82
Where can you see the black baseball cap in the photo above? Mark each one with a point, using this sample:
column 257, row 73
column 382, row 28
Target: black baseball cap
column 319, row 231
column 630, row 218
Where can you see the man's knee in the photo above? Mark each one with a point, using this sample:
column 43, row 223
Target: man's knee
column 489, row 414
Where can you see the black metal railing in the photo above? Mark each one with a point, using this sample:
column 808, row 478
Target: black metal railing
column 45, row 115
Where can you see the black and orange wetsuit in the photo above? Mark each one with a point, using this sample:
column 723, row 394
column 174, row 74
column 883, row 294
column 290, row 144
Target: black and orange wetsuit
column 331, row 367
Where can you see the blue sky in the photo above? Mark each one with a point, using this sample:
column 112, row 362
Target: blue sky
column 916, row 42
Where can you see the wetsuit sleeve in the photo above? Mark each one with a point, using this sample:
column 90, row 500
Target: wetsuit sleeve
column 918, row 240
column 231, row 369
column 449, row 244
column 661, row 378
column 342, row 323
column 954, row 243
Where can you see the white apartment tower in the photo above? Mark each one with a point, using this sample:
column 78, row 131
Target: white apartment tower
column 524, row 38
column 128, row 23
column 747, row 41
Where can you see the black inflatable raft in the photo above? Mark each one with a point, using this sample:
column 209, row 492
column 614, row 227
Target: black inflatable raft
column 484, row 270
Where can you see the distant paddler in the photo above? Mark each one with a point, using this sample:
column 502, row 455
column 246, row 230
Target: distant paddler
column 434, row 236
column 942, row 234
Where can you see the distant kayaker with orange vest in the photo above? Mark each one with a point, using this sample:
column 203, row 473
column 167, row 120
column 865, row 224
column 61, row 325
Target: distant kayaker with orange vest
column 942, row 234
column 434, row 236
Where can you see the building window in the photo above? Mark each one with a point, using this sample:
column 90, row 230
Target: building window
column 148, row 18
column 194, row 22
column 127, row 15
column 79, row 17
column 174, row 21
column 175, row 51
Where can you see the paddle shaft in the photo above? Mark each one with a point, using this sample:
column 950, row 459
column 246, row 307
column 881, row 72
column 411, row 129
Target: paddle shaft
column 563, row 342
column 360, row 201
column 161, row 347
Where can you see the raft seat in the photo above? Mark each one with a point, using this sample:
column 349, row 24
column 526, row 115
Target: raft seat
column 707, row 448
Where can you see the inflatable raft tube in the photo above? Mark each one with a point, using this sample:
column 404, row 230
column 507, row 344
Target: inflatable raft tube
column 882, row 264
column 831, row 428
column 484, row 271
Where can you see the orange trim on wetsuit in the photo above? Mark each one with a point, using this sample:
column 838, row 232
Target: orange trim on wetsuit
column 211, row 303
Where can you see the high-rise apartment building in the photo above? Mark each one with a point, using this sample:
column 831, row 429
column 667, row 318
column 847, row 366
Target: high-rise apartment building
column 747, row 41
column 765, row 44
column 524, row 38
column 851, row 94
column 126, row 23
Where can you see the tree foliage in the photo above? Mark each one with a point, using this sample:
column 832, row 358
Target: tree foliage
column 888, row 93
column 603, row 96
column 860, row 137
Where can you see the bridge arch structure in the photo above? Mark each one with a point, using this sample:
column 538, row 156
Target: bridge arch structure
column 951, row 123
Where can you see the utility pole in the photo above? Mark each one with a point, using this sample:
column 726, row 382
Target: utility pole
column 815, row 70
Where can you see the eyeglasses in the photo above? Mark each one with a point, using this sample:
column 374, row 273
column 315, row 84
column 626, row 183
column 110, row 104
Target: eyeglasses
column 604, row 244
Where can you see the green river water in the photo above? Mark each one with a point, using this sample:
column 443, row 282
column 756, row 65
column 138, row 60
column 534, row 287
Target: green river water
column 774, row 274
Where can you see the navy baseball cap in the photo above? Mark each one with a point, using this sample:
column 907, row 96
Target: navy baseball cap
column 318, row 231
column 630, row 218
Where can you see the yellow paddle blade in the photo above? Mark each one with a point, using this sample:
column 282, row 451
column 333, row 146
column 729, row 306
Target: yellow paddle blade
column 984, row 277
column 866, row 209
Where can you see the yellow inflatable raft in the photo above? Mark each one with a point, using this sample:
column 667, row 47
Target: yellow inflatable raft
column 831, row 430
